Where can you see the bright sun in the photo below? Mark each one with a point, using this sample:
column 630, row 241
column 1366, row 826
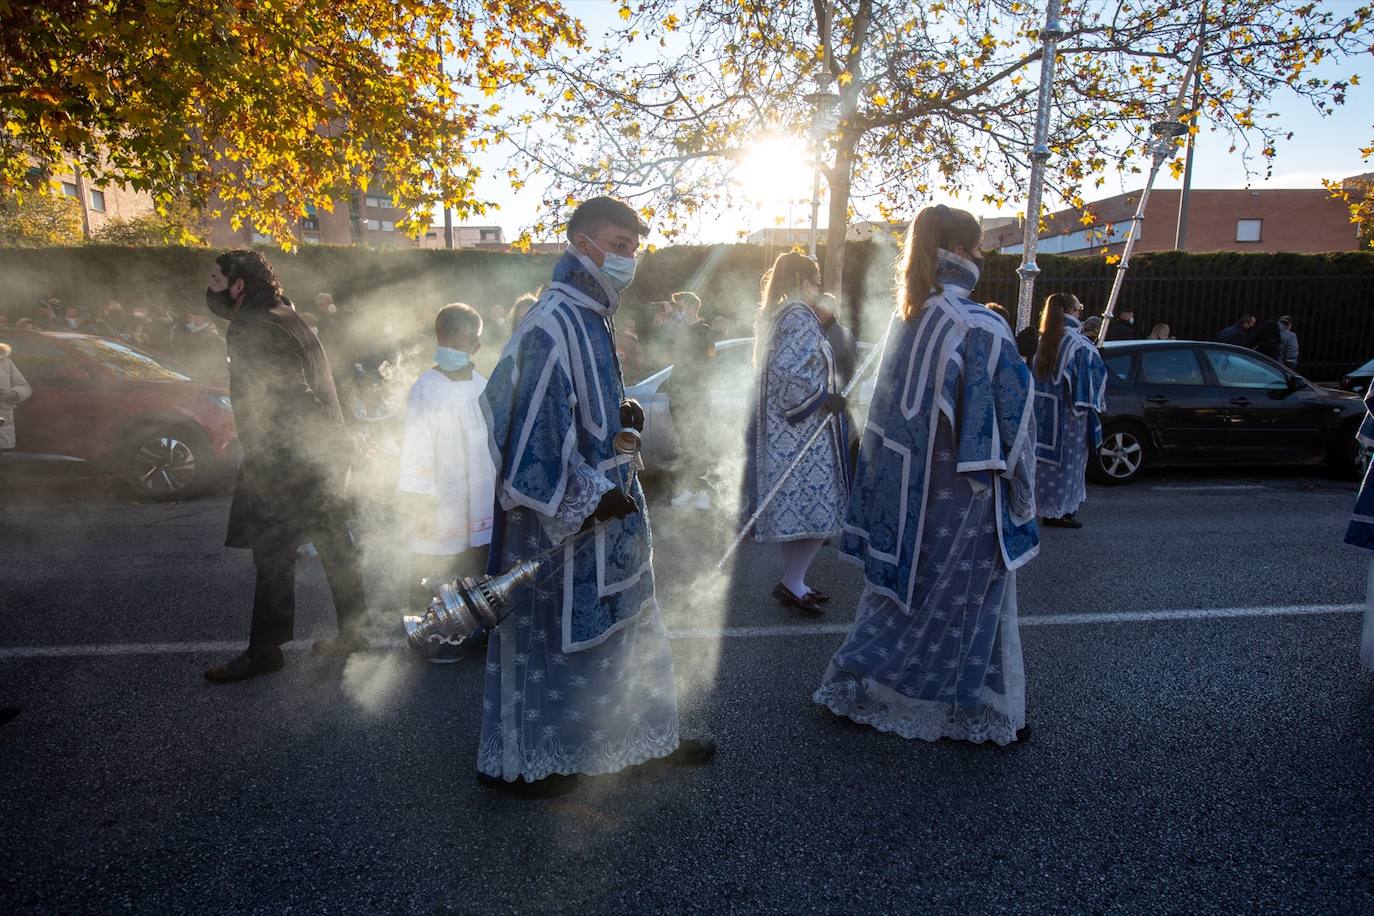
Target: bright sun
column 775, row 169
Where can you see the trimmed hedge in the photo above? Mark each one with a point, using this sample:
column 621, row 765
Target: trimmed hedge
column 1330, row 296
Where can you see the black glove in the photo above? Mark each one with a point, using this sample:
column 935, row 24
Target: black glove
column 614, row 504
column 834, row 402
column 632, row 415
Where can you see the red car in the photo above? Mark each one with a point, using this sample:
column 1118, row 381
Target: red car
column 117, row 409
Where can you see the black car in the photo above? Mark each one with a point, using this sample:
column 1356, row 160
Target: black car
column 1192, row 402
column 1359, row 380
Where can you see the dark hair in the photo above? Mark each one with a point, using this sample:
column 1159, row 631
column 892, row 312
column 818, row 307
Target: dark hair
column 1052, row 332
column 783, row 279
column 933, row 228
column 259, row 280
column 592, row 214
column 1287, row 321
column 997, row 308
column 522, row 305
column 457, row 319
column 1244, row 318
column 688, row 298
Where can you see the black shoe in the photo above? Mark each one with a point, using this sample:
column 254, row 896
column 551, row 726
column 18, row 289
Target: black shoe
column 549, row 787
column 805, row 603
column 340, row 646
column 249, row 663
column 817, row 595
column 692, row 752
column 1064, row 521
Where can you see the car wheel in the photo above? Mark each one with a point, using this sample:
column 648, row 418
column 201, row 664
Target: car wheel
column 166, row 464
column 1351, row 459
column 1122, row 456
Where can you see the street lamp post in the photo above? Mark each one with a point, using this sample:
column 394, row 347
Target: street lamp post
column 1040, row 152
column 825, row 107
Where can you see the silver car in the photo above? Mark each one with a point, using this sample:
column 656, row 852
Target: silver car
column 730, row 390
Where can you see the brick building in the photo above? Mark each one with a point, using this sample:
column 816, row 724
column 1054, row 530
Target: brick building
column 100, row 205
column 369, row 219
column 1230, row 219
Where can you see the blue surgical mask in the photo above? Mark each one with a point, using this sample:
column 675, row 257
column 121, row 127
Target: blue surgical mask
column 619, row 269
column 451, row 360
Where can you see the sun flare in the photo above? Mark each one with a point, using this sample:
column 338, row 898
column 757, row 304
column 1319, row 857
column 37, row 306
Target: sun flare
column 775, row 169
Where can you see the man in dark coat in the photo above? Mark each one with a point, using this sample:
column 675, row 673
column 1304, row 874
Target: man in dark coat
column 292, row 484
column 1123, row 325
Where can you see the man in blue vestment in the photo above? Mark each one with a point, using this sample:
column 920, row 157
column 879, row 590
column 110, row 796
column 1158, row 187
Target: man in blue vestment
column 579, row 676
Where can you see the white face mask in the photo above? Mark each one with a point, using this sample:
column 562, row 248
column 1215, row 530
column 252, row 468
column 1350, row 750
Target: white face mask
column 618, row 268
column 73, row 322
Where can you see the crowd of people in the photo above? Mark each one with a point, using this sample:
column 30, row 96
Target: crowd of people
column 963, row 441
column 967, row 450
column 1274, row 339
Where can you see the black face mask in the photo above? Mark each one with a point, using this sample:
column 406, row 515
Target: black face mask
column 220, row 303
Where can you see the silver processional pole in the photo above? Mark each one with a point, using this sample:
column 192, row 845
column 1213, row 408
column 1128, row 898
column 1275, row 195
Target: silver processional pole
column 1162, row 147
column 1040, row 152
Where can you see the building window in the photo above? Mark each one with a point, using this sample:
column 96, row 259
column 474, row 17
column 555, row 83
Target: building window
column 381, row 225
column 1248, row 230
column 491, row 235
column 385, row 203
column 312, row 218
column 70, row 190
column 97, row 200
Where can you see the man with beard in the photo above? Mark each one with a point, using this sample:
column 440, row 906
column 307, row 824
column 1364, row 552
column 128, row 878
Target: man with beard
column 291, row 486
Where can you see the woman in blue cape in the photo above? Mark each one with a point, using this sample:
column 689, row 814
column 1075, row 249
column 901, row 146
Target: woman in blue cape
column 787, row 450
column 942, row 511
column 1070, row 391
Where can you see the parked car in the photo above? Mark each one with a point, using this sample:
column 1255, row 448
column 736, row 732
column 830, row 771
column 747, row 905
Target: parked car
column 1191, row 402
column 106, row 407
column 730, row 388
column 1358, row 380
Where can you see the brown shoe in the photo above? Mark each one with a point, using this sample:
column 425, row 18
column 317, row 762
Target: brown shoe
column 802, row 603
column 340, row 646
column 249, row 663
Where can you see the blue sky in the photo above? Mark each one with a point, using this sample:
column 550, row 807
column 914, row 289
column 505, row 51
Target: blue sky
column 1321, row 148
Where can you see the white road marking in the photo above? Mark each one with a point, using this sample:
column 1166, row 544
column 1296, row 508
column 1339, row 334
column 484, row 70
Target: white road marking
column 1211, row 487
column 229, row 647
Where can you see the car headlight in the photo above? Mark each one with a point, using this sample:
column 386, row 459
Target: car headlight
column 221, row 400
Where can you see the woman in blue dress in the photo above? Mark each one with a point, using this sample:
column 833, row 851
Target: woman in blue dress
column 942, row 511
column 795, row 396
column 1070, row 391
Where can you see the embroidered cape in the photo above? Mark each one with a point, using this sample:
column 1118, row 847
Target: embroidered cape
column 552, row 406
column 957, row 360
column 1360, row 533
column 1079, row 384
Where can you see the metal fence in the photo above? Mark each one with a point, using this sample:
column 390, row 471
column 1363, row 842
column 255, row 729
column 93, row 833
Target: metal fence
column 1333, row 315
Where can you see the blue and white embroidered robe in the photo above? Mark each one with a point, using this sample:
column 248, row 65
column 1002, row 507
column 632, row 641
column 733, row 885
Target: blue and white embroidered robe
column 798, row 372
column 579, row 676
column 942, row 512
column 1066, row 422
column 1360, row 532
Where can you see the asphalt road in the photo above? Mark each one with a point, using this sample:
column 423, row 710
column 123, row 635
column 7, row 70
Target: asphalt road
column 1214, row 759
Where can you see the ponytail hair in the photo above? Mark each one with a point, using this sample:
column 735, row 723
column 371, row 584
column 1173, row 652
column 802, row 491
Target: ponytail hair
column 780, row 283
column 933, row 228
column 1057, row 305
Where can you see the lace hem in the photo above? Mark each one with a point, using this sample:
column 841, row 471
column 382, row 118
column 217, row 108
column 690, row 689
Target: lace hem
column 923, row 719
column 595, row 757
